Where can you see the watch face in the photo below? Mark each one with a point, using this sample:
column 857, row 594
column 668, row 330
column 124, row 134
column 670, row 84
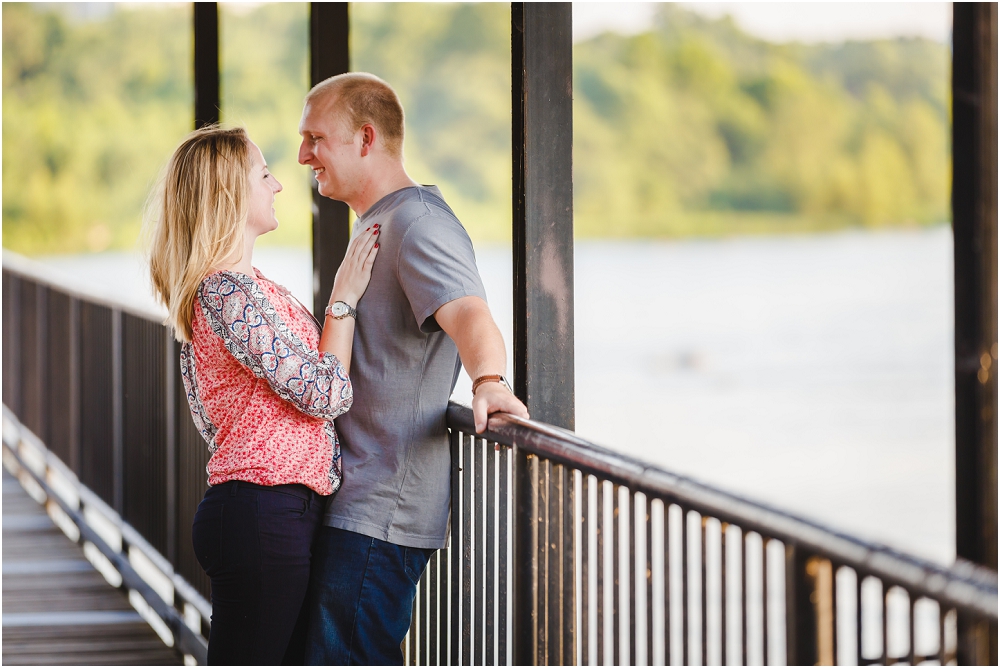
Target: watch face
column 339, row 310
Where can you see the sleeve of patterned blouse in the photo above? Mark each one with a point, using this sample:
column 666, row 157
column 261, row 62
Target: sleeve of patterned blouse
column 239, row 312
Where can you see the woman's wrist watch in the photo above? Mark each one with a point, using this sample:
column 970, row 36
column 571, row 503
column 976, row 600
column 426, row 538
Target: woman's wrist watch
column 341, row 310
column 493, row 378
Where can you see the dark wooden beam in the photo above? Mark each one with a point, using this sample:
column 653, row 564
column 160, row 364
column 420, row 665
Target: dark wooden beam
column 542, row 141
column 206, row 64
column 974, row 215
column 329, row 32
column 542, row 110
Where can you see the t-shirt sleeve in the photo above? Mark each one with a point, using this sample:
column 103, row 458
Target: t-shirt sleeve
column 437, row 265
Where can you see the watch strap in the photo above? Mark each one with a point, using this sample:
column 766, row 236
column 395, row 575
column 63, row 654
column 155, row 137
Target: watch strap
column 490, row 378
column 351, row 311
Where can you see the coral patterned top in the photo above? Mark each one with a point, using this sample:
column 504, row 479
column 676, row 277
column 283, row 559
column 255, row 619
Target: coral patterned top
column 260, row 394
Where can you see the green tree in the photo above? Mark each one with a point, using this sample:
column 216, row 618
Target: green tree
column 693, row 127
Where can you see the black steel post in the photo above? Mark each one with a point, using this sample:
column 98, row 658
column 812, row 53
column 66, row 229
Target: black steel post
column 525, row 613
column 542, row 141
column 206, row 63
column 974, row 215
column 329, row 55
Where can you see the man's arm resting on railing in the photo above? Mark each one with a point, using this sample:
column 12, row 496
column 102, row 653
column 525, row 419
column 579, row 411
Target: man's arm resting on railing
column 468, row 321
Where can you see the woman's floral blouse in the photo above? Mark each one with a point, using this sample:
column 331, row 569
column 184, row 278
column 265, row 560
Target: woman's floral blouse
column 260, row 394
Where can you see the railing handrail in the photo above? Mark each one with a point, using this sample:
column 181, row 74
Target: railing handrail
column 54, row 278
column 963, row 585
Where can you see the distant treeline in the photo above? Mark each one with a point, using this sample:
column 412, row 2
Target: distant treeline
column 692, row 128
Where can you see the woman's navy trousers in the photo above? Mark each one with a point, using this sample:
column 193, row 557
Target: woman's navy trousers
column 254, row 542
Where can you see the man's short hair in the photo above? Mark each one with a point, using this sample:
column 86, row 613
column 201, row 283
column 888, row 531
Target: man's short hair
column 365, row 99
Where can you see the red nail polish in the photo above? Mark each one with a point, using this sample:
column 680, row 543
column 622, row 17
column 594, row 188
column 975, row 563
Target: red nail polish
column 376, row 231
column 376, row 245
column 376, row 226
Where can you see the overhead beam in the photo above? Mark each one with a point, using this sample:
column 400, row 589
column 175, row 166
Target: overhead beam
column 974, row 216
column 329, row 55
column 206, row 64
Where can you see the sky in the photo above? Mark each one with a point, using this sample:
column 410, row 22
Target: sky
column 782, row 21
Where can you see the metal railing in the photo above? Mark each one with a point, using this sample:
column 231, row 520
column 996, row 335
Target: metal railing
column 573, row 554
column 93, row 381
column 562, row 552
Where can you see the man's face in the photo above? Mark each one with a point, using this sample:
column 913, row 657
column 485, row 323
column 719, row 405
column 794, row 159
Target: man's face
column 329, row 148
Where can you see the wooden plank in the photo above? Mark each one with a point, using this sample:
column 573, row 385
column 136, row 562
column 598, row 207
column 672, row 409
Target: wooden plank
column 57, row 609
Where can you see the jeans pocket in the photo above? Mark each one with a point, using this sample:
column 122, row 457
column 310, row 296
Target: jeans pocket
column 414, row 561
column 281, row 504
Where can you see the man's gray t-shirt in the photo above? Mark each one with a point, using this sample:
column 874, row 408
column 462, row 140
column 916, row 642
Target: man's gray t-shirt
column 394, row 442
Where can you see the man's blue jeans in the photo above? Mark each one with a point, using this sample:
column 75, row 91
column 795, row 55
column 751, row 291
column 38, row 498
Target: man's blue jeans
column 360, row 598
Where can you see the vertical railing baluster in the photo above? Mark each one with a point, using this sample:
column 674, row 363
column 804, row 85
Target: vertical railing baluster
column 502, row 575
column 743, row 596
column 885, row 623
column 704, row 590
column 170, row 426
column 556, row 548
column 542, row 557
column 685, row 612
column 666, row 584
column 491, row 492
column 467, row 514
column 722, row 597
column 526, row 610
column 478, row 616
column 601, row 622
column 632, row 584
column 585, row 658
column 569, row 655
column 833, row 608
column 454, row 582
column 942, row 656
column 764, row 601
column 410, row 653
column 648, row 500
column 616, row 574
column 444, row 596
column 74, row 373
column 434, row 615
column 858, row 579
column 117, row 415
column 421, row 620
column 910, row 605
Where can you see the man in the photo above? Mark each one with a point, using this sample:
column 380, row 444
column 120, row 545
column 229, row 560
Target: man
column 424, row 309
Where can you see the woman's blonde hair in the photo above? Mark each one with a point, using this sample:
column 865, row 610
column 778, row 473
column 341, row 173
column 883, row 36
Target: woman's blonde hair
column 199, row 217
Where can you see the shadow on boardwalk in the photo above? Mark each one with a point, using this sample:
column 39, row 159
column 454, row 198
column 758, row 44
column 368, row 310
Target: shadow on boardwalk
column 57, row 609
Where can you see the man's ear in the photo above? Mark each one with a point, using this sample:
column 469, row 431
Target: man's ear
column 368, row 137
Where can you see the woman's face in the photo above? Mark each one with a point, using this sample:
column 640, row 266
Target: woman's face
column 263, row 188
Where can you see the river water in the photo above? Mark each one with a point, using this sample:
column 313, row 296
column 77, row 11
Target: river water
column 813, row 373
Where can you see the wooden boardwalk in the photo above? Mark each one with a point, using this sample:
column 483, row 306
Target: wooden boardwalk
column 57, row 609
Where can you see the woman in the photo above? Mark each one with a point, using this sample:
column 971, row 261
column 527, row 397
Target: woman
column 263, row 387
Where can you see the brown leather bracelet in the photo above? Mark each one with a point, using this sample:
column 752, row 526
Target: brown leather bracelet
column 492, row 378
